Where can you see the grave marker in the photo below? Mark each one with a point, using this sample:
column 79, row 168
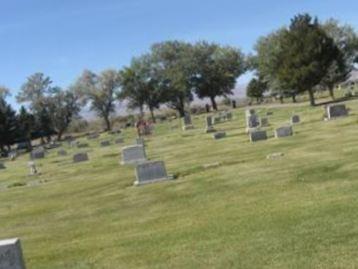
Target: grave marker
column 80, row 157
column 219, row 135
column 37, row 154
column 283, row 131
column 133, row 154
column 187, row 123
column 257, row 135
column 335, row 111
column 150, row 172
column 209, row 125
column 295, row 119
column 11, row 254
column 105, row 143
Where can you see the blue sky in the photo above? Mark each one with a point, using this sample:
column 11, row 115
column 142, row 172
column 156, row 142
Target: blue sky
column 62, row 37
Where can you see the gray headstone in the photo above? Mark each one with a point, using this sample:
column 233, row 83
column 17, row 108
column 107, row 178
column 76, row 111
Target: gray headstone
column 80, row 157
column 295, row 119
column 133, row 154
column 264, row 122
column 249, row 112
column 105, row 143
column 62, row 152
column 119, row 141
column 2, row 166
column 209, row 125
column 229, row 115
column 82, row 145
column 335, row 111
column 257, row 135
column 37, row 154
column 283, row 131
column 11, row 254
column 252, row 121
column 187, row 123
column 219, row 135
column 150, row 172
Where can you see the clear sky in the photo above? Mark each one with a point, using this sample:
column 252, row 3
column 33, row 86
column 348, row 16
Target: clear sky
column 62, row 37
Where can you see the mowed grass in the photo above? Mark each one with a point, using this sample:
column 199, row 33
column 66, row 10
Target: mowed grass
column 299, row 211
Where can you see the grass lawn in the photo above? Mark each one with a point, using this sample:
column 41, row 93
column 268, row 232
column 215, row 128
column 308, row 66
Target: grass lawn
column 299, row 211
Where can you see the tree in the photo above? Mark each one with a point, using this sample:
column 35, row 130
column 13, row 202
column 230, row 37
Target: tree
column 173, row 62
column 141, row 85
column 100, row 92
column 215, row 70
column 35, row 91
column 304, row 55
column 63, row 108
column 265, row 62
column 26, row 125
column 8, row 124
column 346, row 40
column 256, row 88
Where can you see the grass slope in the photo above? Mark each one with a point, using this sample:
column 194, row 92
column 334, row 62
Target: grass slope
column 299, row 211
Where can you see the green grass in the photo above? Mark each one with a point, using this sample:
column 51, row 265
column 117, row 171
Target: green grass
column 299, row 211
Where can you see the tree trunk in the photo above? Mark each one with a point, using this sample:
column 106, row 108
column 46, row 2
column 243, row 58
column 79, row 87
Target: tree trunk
column 294, row 98
column 108, row 123
column 181, row 108
column 152, row 114
column 331, row 92
column 281, row 99
column 29, row 145
column 311, row 95
column 59, row 135
column 141, row 111
column 213, row 102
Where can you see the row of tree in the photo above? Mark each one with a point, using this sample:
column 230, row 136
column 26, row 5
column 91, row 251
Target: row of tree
column 304, row 57
column 300, row 58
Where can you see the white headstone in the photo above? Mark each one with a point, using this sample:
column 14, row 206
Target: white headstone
column 11, row 254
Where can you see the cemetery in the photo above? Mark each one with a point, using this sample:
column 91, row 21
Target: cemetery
column 178, row 134
column 249, row 181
